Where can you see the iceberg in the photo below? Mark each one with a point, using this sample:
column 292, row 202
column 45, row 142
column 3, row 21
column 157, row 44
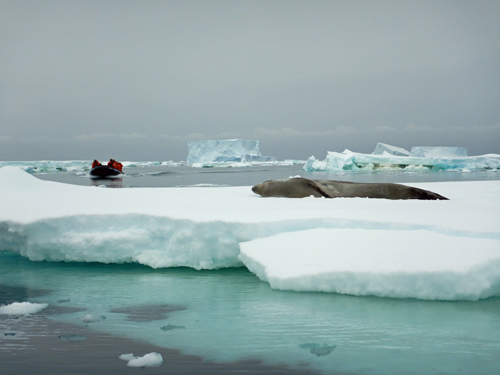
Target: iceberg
column 226, row 150
column 350, row 245
column 382, row 149
column 438, row 152
column 353, row 161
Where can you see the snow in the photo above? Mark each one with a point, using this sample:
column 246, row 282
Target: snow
column 22, row 308
column 436, row 158
column 383, row 148
column 225, row 150
column 434, row 249
column 417, row 263
column 149, row 360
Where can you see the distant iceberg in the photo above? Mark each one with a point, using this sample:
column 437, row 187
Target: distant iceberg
column 383, row 148
column 386, row 157
column 225, row 150
column 438, row 152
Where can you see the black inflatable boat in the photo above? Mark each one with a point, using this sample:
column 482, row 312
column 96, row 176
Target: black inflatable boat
column 104, row 171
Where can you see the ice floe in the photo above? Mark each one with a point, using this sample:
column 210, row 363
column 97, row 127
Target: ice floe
column 406, row 249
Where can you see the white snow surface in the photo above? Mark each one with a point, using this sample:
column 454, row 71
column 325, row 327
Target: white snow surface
column 152, row 359
column 22, row 308
column 427, row 249
column 418, row 263
column 225, row 150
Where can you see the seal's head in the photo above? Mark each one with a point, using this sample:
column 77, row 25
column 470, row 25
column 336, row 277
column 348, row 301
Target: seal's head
column 271, row 188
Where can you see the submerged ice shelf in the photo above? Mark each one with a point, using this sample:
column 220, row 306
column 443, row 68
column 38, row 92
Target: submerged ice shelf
column 203, row 228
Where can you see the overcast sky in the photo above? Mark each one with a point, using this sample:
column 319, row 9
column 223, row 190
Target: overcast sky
column 137, row 80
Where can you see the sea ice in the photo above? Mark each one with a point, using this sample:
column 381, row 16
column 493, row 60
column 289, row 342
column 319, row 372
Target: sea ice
column 171, row 327
column 72, row 338
column 226, row 150
column 149, row 360
column 22, row 308
column 418, row 249
column 92, row 318
column 317, row 349
column 386, row 263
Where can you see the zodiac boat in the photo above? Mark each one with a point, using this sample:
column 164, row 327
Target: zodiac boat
column 104, row 171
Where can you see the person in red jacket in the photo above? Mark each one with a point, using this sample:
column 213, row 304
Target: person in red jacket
column 115, row 164
column 95, row 164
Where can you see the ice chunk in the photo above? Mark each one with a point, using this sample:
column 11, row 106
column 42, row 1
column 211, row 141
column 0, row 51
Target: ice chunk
column 226, row 150
column 361, row 262
column 91, row 318
column 438, row 152
column 171, row 327
column 72, row 338
column 383, row 148
column 317, row 349
column 22, row 308
column 149, row 360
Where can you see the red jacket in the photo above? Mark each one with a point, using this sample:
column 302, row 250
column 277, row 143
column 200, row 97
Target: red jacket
column 117, row 165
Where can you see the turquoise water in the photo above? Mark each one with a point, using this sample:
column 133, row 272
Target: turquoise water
column 229, row 314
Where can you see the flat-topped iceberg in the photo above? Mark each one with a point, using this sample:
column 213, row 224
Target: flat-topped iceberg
column 225, row 150
column 437, row 158
column 447, row 250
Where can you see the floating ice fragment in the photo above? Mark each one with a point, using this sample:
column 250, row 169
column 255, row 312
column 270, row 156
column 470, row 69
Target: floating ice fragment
column 317, row 349
column 90, row 318
column 149, row 360
column 22, row 308
column 9, row 334
column 72, row 338
column 387, row 263
column 171, row 327
column 63, row 300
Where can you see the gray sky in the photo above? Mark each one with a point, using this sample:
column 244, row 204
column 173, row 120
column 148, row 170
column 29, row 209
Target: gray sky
column 137, row 80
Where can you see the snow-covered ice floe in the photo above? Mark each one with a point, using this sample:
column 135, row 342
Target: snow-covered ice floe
column 386, row 157
column 444, row 250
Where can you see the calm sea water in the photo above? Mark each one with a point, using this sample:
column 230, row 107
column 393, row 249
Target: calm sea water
column 229, row 314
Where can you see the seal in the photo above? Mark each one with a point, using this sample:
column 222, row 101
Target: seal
column 298, row 187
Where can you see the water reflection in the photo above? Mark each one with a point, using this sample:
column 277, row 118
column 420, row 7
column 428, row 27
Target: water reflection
column 107, row 182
